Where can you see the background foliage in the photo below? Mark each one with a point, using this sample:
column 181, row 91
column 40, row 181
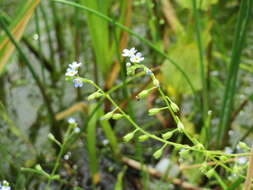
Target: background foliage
column 200, row 50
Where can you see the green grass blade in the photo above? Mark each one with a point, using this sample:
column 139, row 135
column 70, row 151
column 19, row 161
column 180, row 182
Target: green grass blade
column 91, row 144
column 202, row 64
column 238, row 44
column 119, row 183
column 109, row 134
column 99, row 32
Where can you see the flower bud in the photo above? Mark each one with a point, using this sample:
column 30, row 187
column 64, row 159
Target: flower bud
column 38, row 167
column 184, row 153
column 167, row 135
column 51, row 137
column 143, row 94
column 143, row 138
column 174, row 107
column 180, row 126
column 107, row 116
column 5, row 186
column 128, row 64
column 210, row 173
column 94, row 95
column 237, row 169
column 243, row 146
column 77, row 130
column 131, row 70
column 158, row 153
column 55, row 177
column 117, row 116
column 199, row 146
column 156, row 83
column 128, row 136
column 154, row 111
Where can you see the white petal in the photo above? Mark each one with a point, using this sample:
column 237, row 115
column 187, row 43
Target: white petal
column 138, row 54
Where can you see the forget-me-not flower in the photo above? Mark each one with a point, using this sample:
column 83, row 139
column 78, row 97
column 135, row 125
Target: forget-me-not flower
column 75, row 65
column 71, row 120
column 129, row 52
column 71, row 72
column 77, row 130
column 136, row 58
column 5, row 185
column 78, row 82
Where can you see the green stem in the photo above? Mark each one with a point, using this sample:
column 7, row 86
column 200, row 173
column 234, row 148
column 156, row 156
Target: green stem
column 202, row 63
column 50, row 42
column 177, row 145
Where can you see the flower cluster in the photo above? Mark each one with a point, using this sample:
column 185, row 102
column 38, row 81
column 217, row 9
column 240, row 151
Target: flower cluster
column 72, row 72
column 135, row 57
column 73, row 123
column 4, row 185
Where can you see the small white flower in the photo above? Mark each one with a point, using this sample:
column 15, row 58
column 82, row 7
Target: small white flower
column 129, row 52
column 71, row 72
column 136, row 58
column 5, row 185
column 242, row 160
column 77, row 130
column 128, row 64
column 75, row 65
column 228, row 150
column 66, row 157
column 105, row 142
column 5, row 188
column 71, row 120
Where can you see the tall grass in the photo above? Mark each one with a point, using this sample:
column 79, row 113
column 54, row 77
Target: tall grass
column 231, row 81
column 95, row 32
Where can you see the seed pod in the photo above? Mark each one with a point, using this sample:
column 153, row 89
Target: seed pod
column 94, row 95
column 167, row 135
column 107, row 116
column 117, row 116
column 154, row 111
column 128, row 136
column 143, row 138
column 158, row 153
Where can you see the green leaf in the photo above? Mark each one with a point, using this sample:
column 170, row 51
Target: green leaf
column 185, row 52
column 119, row 183
column 99, row 31
column 17, row 27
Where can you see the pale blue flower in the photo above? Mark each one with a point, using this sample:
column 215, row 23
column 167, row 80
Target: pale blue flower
column 228, row 150
column 77, row 130
column 75, row 65
column 5, row 185
column 148, row 72
column 71, row 72
column 71, row 120
column 242, row 160
column 78, row 82
column 129, row 52
column 136, row 58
